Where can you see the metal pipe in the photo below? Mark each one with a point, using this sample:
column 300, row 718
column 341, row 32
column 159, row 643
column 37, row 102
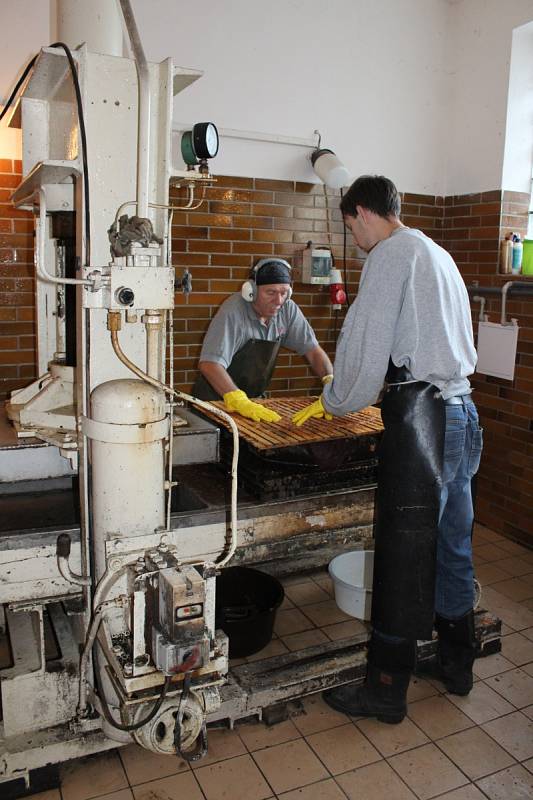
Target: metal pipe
column 39, row 258
column 143, row 145
column 521, row 288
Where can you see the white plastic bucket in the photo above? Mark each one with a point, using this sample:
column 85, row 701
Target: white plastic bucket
column 352, row 580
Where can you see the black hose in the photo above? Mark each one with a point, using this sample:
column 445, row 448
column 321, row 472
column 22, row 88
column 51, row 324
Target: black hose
column 344, row 259
column 81, row 120
column 83, row 135
column 17, row 87
column 134, row 726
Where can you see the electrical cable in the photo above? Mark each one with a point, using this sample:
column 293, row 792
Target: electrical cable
column 81, row 121
column 345, row 270
column 17, row 87
column 134, row 726
column 83, row 136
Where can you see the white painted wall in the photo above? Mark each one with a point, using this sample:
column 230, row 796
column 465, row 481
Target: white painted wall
column 479, row 62
column 415, row 89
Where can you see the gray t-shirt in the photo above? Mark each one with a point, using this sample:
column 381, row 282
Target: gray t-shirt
column 236, row 323
column 412, row 306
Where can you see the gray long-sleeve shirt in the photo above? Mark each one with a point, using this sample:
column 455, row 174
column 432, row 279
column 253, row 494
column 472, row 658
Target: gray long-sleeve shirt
column 412, row 306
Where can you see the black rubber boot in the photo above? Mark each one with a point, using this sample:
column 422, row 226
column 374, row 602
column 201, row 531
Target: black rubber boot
column 456, row 652
column 383, row 694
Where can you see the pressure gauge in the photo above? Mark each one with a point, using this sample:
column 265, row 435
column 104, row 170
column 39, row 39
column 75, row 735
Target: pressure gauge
column 205, row 139
column 187, row 149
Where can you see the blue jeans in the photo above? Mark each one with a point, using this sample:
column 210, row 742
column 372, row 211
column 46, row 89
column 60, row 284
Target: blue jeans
column 454, row 588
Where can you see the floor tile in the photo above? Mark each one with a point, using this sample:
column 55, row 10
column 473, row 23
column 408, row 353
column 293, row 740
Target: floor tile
column 469, row 792
column 510, row 612
column 516, row 686
column 528, row 764
column 327, row 613
column 483, row 703
column 515, row 566
column 487, row 534
column 292, row 580
column 92, row 776
column 222, row 743
column 491, row 665
column 291, row 621
column 427, row 771
column 516, row 589
column 323, row 790
column 327, row 584
column 290, row 765
column 528, row 633
column 527, row 668
column 343, row 630
column 274, row 648
column 299, row 641
column 475, row 753
column 437, row 717
column 142, row 765
column 51, row 794
column 490, row 572
column 175, row 787
column 317, row 716
column 303, row 594
column 513, row 547
column 219, row 781
column 343, row 748
column 517, row 648
column 122, row 794
column 515, row 783
column 374, row 782
column 419, row 689
column 513, row 732
column 390, row 739
column 490, row 552
column 257, row 735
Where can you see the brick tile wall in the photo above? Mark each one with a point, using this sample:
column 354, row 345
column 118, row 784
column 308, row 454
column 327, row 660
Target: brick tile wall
column 17, row 302
column 473, row 228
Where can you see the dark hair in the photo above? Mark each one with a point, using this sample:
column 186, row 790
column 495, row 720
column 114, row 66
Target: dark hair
column 374, row 192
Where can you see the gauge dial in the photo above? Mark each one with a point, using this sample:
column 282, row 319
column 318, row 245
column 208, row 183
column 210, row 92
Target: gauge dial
column 205, row 139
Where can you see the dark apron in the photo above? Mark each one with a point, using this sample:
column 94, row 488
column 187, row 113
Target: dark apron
column 251, row 370
column 410, row 462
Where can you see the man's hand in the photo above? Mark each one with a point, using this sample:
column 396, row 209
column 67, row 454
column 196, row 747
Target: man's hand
column 315, row 410
column 240, row 402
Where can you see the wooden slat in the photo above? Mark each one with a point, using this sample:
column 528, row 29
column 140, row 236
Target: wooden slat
column 273, row 435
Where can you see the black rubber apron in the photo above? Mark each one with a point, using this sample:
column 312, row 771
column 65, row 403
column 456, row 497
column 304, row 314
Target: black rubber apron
column 410, row 462
column 251, row 370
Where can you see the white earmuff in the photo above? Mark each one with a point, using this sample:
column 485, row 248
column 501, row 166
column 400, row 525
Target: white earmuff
column 249, row 291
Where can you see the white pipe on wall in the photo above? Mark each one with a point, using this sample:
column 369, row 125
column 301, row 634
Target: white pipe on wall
column 143, row 144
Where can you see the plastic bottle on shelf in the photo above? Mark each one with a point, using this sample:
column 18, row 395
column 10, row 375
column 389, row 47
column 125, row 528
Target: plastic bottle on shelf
column 518, row 250
column 506, row 254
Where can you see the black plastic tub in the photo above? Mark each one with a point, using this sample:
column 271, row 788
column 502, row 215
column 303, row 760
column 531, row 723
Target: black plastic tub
column 246, row 605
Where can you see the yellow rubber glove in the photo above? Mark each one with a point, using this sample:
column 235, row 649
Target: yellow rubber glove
column 315, row 410
column 327, row 379
column 240, row 402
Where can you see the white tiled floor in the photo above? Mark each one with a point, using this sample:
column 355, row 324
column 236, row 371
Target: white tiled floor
column 448, row 747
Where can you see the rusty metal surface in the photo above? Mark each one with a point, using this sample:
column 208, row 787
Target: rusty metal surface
column 283, row 434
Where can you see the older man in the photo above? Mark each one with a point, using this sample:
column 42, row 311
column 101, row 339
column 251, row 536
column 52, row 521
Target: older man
column 243, row 339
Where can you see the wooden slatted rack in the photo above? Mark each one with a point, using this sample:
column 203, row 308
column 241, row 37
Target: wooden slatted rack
column 268, row 436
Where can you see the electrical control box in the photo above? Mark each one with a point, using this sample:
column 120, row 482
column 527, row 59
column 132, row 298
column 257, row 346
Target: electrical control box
column 181, row 603
column 313, row 265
